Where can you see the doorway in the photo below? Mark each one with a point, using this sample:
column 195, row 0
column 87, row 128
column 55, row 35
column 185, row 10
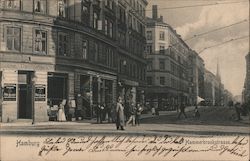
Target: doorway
column 24, row 95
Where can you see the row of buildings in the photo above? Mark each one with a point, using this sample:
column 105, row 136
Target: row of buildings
column 93, row 50
column 54, row 50
column 246, row 90
column 176, row 73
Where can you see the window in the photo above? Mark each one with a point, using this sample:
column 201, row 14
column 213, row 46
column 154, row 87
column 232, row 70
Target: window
column 12, row 4
column 162, row 35
column 85, row 14
column 149, row 48
column 110, row 29
column 96, row 51
column 162, row 64
column 162, row 80
column 149, row 35
column 84, row 49
column 109, row 4
column 40, row 42
column 162, row 49
column 63, row 44
column 40, row 6
column 106, row 27
column 62, row 6
column 149, row 80
column 13, row 38
column 149, row 65
column 95, row 20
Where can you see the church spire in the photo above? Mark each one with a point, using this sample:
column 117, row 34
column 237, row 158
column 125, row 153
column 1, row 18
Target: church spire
column 218, row 71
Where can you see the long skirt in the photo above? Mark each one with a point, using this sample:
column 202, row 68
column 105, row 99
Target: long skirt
column 61, row 115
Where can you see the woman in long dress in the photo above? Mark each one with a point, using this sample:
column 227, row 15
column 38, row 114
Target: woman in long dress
column 61, row 113
column 120, row 115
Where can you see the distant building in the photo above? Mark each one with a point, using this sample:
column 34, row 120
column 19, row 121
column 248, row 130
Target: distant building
column 196, row 75
column 246, row 91
column 237, row 98
column 167, row 64
column 213, row 89
column 55, row 50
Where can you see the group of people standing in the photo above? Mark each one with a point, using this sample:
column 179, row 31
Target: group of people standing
column 134, row 112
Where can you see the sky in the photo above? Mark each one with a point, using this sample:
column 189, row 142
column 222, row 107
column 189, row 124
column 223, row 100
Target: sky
column 190, row 21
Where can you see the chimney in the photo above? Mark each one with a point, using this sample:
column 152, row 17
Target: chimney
column 154, row 12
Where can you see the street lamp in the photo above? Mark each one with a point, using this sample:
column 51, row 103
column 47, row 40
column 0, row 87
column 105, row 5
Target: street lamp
column 33, row 83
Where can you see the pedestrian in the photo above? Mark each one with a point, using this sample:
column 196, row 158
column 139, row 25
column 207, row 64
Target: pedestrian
column 99, row 113
column 103, row 111
column 119, row 115
column 61, row 114
column 153, row 111
column 196, row 113
column 139, row 110
column 182, row 111
column 238, row 110
column 132, row 112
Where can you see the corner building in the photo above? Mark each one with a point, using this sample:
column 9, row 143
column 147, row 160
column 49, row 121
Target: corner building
column 167, row 65
column 51, row 50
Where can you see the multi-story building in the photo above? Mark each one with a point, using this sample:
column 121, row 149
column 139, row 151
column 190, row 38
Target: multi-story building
column 214, row 89
column 54, row 50
column 196, row 75
column 246, row 91
column 167, row 64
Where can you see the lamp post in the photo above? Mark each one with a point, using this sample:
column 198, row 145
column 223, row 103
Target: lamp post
column 33, row 83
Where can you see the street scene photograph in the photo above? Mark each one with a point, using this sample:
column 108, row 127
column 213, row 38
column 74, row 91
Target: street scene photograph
column 124, row 80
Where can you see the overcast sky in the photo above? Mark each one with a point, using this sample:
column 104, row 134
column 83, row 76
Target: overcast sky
column 194, row 20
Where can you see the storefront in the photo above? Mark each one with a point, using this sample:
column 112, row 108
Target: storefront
column 93, row 89
column 23, row 92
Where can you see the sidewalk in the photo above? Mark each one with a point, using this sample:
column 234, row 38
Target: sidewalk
column 149, row 115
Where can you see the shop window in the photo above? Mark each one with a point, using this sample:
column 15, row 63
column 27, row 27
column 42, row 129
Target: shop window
column 40, row 42
column 40, row 6
column 63, row 44
column 62, row 8
column 13, row 36
column 13, row 4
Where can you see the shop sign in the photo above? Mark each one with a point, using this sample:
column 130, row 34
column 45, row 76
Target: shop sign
column 40, row 92
column 9, row 92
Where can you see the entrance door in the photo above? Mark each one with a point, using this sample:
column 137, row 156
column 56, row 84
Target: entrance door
column 24, row 95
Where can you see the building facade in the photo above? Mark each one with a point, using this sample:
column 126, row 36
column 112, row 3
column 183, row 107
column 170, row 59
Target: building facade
column 246, row 91
column 55, row 50
column 196, row 75
column 214, row 89
column 167, row 64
